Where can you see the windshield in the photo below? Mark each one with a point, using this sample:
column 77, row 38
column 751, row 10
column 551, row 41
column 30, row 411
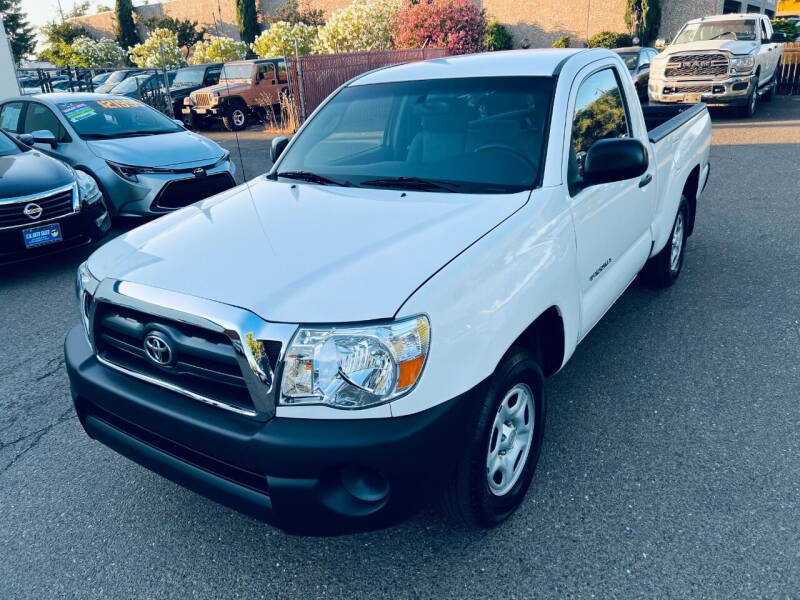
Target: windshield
column 473, row 135
column 7, row 146
column 122, row 117
column 189, row 77
column 631, row 59
column 116, row 76
column 237, row 72
column 741, row 30
column 129, row 85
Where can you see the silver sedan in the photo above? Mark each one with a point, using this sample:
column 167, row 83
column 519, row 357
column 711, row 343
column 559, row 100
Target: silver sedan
column 143, row 162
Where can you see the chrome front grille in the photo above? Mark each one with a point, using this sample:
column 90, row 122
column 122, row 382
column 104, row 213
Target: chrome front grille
column 690, row 89
column 698, row 65
column 201, row 98
column 53, row 204
column 217, row 354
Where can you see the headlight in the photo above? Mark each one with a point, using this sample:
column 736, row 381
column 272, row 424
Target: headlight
column 187, row 101
column 743, row 64
column 658, row 67
column 87, row 187
column 355, row 366
column 215, row 100
column 85, row 287
column 127, row 172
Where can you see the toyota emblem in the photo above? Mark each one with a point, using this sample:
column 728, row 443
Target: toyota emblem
column 158, row 348
column 199, row 172
column 32, row 210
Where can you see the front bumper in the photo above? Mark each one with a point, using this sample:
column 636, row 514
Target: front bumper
column 306, row 476
column 203, row 112
column 77, row 229
column 140, row 198
column 715, row 92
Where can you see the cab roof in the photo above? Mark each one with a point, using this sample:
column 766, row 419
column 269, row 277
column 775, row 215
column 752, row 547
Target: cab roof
column 727, row 17
column 532, row 63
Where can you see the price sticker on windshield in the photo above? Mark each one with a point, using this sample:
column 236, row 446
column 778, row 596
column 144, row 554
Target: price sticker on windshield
column 120, row 103
column 78, row 112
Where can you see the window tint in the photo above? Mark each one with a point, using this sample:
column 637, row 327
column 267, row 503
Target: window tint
column 282, row 71
column 39, row 117
column 764, row 32
column 9, row 116
column 599, row 111
column 212, row 77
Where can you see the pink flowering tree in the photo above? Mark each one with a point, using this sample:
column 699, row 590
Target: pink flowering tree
column 458, row 25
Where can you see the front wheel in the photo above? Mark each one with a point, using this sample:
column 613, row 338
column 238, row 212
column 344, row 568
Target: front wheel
column 663, row 269
column 749, row 109
column 236, row 119
column 495, row 471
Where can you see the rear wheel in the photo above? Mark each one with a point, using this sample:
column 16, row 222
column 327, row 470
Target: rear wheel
column 663, row 269
column 495, row 471
column 235, row 119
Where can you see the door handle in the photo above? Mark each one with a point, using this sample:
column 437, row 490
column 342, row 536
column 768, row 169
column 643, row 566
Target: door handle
column 645, row 181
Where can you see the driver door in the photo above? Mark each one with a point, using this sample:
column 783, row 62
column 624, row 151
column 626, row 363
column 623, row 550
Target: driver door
column 612, row 220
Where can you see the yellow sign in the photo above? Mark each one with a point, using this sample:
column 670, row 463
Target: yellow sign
column 121, row 103
column 789, row 7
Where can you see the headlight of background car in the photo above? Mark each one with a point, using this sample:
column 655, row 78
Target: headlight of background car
column 87, row 187
column 743, row 64
column 355, row 366
column 85, row 287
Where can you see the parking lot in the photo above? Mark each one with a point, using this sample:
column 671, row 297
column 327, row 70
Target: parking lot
column 670, row 467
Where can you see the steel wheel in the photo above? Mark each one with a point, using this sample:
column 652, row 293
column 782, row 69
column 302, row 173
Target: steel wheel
column 510, row 441
column 677, row 244
column 238, row 117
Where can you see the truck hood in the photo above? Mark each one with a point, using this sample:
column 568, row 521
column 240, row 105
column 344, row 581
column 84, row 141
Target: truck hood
column 232, row 86
column 158, row 150
column 304, row 253
column 732, row 46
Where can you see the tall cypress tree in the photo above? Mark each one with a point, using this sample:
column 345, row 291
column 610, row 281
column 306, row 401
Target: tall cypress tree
column 650, row 18
column 19, row 32
column 247, row 19
column 125, row 29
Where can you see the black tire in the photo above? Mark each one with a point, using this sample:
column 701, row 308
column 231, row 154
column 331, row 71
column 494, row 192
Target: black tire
column 467, row 498
column 235, row 118
column 660, row 271
column 748, row 109
column 769, row 95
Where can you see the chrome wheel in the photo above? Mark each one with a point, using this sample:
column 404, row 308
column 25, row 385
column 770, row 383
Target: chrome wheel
column 510, row 439
column 237, row 116
column 677, row 244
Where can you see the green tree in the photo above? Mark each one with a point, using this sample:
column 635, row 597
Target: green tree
column 280, row 38
column 649, row 19
column 103, row 8
column 498, row 37
column 247, row 19
column 148, row 53
column 125, row 28
column 562, row 42
column 187, row 32
column 292, row 11
column 791, row 29
column 217, row 49
column 19, row 31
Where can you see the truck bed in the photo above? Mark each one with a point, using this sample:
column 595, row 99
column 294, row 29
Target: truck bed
column 663, row 119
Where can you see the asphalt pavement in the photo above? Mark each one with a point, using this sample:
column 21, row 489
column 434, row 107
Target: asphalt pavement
column 670, row 467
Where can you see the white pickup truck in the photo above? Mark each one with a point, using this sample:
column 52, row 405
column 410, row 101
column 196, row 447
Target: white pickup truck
column 724, row 60
column 371, row 323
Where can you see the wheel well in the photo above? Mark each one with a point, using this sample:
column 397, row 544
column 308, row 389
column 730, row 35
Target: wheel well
column 544, row 338
column 690, row 190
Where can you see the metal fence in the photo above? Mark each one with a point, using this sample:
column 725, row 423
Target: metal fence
column 314, row 77
column 789, row 78
column 48, row 80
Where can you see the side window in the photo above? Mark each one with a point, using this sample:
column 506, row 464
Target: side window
column 644, row 58
column 599, row 111
column 212, row 76
column 268, row 71
column 39, row 117
column 765, row 35
column 9, row 117
column 282, row 77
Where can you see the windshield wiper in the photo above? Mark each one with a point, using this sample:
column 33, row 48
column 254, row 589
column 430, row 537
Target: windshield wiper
column 723, row 33
column 410, row 183
column 312, row 178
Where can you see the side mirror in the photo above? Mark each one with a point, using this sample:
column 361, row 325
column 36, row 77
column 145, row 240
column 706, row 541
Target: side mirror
column 44, row 136
column 26, row 138
column 778, row 37
column 277, row 147
column 660, row 44
column 614, row 160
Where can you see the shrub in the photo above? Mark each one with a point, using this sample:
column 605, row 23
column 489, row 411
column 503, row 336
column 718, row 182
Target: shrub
column 562, row 42
column 280, row 38
column 498, row 37
column 148, row 53
column 609, row 39
column 364, row 25
column 791, row 29
column 85, row 52
column 217, row 49
column 458, row 25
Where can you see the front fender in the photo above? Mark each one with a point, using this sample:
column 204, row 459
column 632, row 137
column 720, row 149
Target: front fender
column 482, row 301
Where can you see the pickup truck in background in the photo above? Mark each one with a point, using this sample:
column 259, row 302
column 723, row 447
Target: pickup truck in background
column 370, row 324
column 724, row 60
